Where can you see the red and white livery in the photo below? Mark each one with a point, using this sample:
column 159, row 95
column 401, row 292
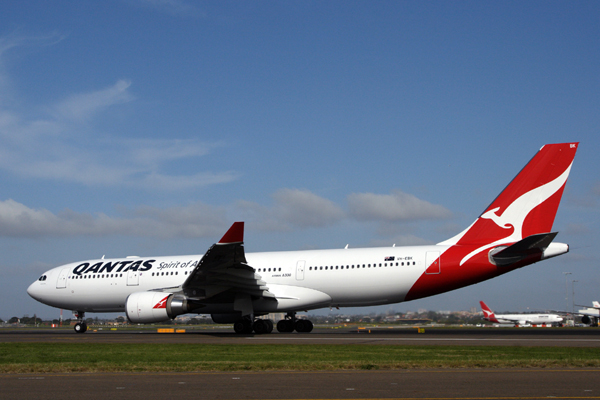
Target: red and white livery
column 523, row 319
column 232, row 286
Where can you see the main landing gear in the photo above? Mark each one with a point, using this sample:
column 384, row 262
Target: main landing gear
column 291, row 324
column 80, row 326
column 247, row 325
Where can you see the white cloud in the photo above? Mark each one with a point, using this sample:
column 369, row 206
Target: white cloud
column 152, row 152
column 183, row 182
column 82, row 106
column 196, row 220
column 305, row 209
column 292, row 208
column 64, row 146
column 398, row 206
column 13, row 41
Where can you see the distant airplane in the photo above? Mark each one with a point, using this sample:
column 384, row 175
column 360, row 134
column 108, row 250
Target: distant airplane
column 590, row 315
column 235, row 287
column 519, row 319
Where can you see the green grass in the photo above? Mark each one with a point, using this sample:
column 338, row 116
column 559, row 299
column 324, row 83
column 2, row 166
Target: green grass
column 76, row 357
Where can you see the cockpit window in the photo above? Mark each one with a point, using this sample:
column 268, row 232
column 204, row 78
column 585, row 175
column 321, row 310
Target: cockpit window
column 42, row 278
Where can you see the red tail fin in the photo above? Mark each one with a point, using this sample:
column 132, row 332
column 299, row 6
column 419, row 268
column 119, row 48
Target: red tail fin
column 528, row 205
column 488, row 314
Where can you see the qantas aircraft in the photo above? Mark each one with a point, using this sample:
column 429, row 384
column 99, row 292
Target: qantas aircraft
column 590, row 315
column 235, row 287
column 519, row 319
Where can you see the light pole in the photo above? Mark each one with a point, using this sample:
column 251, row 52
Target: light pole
column 566, row 291
column 573, row 295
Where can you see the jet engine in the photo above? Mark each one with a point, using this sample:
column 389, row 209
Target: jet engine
column 148, row 307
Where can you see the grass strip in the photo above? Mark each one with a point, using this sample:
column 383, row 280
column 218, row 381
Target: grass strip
column 104, row 357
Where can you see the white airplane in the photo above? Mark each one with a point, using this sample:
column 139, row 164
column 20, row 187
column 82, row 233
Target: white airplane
column 235, row 287
column 590, row 315
column 520, row 319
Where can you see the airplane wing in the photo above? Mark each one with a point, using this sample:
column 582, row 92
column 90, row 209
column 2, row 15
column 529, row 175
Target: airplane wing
column 511, row 320
column 223, row 275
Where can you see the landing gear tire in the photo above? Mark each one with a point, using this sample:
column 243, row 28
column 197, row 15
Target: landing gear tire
column 262, row 326
column 80, row 327
column 270, row 325
column 285, row 326
column 243, row 326
column 303, row 326
column 290, row 323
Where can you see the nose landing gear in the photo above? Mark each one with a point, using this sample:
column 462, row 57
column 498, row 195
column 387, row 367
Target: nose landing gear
column 80, row 326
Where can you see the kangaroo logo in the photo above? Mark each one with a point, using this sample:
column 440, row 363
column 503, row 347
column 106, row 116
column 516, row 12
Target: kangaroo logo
column 515, row 214
column 162, row 303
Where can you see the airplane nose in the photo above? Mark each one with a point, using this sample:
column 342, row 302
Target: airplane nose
column 34, row 290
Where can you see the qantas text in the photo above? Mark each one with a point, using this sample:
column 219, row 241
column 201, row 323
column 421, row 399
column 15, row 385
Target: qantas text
column 113, row 266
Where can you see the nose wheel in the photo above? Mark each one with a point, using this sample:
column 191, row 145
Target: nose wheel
column 80, row 326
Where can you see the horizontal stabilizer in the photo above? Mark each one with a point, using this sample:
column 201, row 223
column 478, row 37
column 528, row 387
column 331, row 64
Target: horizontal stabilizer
column 531, row 245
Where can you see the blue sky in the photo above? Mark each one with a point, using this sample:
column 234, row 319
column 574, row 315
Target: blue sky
column 147, row 127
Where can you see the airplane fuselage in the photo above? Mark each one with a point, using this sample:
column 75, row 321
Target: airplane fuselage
column 318, row 278
column 528, row 319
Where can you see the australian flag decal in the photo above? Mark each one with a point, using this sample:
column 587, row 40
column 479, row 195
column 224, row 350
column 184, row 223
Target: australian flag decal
column 390, row 258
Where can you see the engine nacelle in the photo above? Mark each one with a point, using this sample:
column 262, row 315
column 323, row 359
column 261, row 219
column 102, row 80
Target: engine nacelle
column 148, row 307
column 586, row 320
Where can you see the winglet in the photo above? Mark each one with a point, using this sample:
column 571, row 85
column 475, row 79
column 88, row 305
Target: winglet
column 235, row 234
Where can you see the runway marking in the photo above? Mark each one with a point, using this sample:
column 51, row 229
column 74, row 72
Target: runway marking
column 424, row 339
column 464, row 398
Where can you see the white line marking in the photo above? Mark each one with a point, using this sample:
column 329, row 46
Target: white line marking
column 371, row 339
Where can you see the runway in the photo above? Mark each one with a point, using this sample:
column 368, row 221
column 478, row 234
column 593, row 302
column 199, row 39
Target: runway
column 405, row 384
column 562, row 337
column 456, row 384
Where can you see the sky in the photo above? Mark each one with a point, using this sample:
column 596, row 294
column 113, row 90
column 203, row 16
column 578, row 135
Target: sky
column 147, row 127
